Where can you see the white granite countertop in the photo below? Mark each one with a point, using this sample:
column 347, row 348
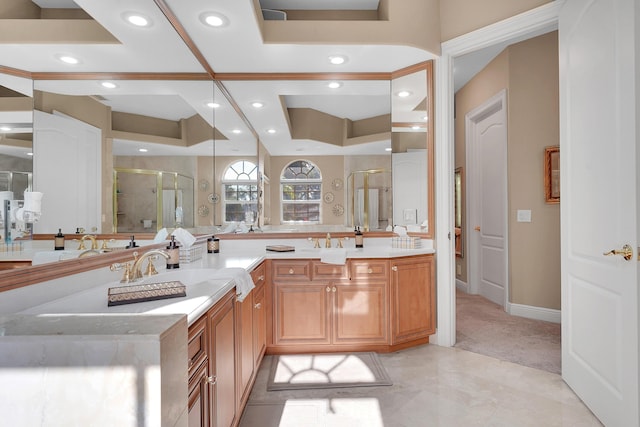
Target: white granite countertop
column 205, row 279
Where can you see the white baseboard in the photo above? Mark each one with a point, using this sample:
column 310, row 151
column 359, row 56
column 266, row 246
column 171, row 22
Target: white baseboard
column 462, row 286
column 531, row 312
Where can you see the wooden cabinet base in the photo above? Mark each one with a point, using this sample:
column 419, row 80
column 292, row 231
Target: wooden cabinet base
column 327, row 348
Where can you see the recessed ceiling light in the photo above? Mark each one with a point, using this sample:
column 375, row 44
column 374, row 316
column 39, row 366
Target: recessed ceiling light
column 271, row 131
column 236, row 131
column 68, row 59
column 142, row 150
column 29, row 154
column 257, row 104
column 5, row 128
column 415, row 127
column 213, row 105
column 388, row 149
column 137, row 19
column 403, row 93
column 109, row 85
column 213, row 19
column 337, row 59
column 334, row 85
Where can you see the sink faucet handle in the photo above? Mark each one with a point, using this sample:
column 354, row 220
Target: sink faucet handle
column 340, row 243
column 151, row 269
column 126, row 267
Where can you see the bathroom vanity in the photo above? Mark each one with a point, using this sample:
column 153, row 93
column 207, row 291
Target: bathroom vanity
column 381, row 299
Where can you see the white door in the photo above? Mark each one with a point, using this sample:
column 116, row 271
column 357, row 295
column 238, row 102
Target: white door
column 487, row 147
column 68, row 170
column 599, row 184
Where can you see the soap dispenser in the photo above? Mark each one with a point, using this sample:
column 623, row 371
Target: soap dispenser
column 213, row 245
column 359, row 238
column 132, row 243
column 174, row 254
column 58, row 241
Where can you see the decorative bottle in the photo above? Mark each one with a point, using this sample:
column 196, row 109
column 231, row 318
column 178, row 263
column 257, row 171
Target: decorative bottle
column 359, row 238
column 58, row 241
column 174, row 254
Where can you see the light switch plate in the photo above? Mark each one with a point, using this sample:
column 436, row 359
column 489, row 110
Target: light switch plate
column 524, row 215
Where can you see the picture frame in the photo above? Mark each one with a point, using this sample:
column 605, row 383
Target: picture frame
column 458, row 188
column 552, row 174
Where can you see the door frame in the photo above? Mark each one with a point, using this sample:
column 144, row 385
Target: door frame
column 497, row 102
column 538, row 19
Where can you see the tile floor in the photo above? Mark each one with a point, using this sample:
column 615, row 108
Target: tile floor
column 433, row 386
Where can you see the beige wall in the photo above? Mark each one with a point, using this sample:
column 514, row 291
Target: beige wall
column 529, row 72
column 458, row 17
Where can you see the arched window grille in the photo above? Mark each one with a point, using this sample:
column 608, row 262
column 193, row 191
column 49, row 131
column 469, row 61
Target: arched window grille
column 301, row 193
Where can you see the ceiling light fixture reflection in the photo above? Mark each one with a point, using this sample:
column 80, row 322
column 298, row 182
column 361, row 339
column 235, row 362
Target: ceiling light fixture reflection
column 109, row 85
column 416, row 127
column 334, row 85
column 403, row 93
column 213, row 19
column 68, row 59
column 337, row 59
column 257, row 104
column 142, row 150
column 213, row 105
column 236, row 131
column 137, row 19
column 29, row 154
column 271, row 131
column 5, row 128
column 388, row 149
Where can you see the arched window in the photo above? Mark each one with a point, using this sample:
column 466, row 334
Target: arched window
column 240, row 184
column 301, row 192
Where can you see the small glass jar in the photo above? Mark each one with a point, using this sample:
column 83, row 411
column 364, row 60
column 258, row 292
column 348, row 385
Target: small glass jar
column 213, row 245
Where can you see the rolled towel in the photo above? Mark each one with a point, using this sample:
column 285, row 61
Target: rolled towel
column 185, row 238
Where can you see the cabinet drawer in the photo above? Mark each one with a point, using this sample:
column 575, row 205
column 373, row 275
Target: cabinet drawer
column 369, row 269
column 197, row 347
column 291, row 270
column 258, row 275
column 328, row 271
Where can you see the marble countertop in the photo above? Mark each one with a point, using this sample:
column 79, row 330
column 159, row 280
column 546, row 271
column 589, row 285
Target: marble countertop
column 205, row 279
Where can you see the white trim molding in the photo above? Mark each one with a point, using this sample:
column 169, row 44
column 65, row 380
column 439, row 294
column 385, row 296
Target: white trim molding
column 532, row 312
column 462, row 286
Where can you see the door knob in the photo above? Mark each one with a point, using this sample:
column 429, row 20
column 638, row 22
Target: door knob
column 626, row 252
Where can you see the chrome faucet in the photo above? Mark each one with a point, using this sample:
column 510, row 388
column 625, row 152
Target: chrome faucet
column 94, row 242
column 136, row 270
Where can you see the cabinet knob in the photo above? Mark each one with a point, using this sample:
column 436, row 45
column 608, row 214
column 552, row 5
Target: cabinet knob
column 210, row 380
column 291, row 271
column 258, row 306
column 333, row 289
column 260, row 278
column 328, row 289
column 370, row 270
column 394, row 268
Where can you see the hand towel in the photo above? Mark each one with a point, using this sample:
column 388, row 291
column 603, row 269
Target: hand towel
column 333, row 256
column 400, row 231
column 242, row 279
column 185, row 238
column 161, row 236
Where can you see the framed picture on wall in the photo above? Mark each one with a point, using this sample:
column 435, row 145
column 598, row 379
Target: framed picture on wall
column 552, row 174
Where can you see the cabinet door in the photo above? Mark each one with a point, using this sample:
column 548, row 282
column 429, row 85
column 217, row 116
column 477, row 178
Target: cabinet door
column 222, row 362
column 413, row 298
column 199, row 397
column 301, row 313
column 360, row 314
column 259, row 325
column 244, row 338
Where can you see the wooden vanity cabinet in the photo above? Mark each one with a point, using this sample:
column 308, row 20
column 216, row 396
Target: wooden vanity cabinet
column 413, row 303
column 198, row 374
column 250, row 333
column 330, row 306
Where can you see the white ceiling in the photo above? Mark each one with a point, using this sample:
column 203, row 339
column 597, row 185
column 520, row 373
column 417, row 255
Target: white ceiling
column 237, row 47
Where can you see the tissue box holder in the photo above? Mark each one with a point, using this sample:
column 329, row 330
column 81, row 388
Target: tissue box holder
column 191, row 253
column 147, row 292
column 406, row 242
